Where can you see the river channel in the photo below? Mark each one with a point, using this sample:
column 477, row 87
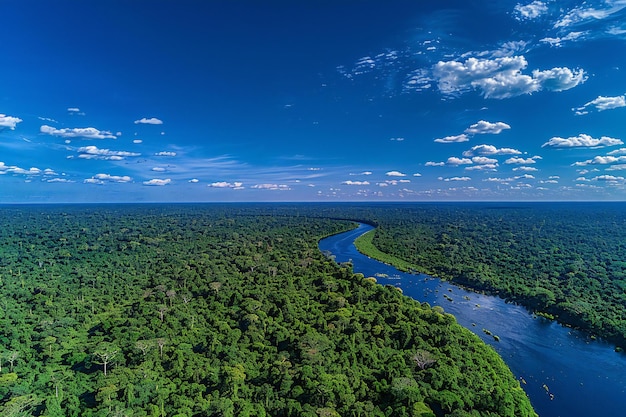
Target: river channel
column 564, row 372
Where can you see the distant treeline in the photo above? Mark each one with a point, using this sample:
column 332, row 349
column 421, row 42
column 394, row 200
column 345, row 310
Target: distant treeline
column 222, row 310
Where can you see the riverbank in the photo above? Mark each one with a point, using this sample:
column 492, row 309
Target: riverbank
column 365, row 245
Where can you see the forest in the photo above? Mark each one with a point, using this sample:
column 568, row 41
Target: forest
column 565, row 261
column 225, row 310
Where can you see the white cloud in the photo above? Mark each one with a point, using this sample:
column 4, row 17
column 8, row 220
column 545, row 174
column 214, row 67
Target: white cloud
column 434, row 164
column 525, row 169
column 279, row 187
column 517, row 160
column 453, row 160
column 453, row 139
column 620, row 151
column 395, row 174
column 484, row 160
column 582, row 141
column 609, row 178
column 530, row 11
column 455, row 179
column 9, row 121
column 105, row 178
column 165, row 153
column 602, row 103
column 73, row 110
column 224, row 184
column 501, row 78
column 159, row 169
column 601, row 160
column 157, row 182
column 584, row 14
column 93, row 152
column 13, row 169
column 150, row 121
column 356, row 183
column 484, row 167
column 86, row 132
column 484, row 127
column 557, row 42
column 194, row 180
column 559, row 78
column 417, row 174
column 617, row 167
column 490, row 150
column 137, row 141
column 397, row 139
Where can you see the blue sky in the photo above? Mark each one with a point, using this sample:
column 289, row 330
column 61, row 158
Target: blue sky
column 133, row 101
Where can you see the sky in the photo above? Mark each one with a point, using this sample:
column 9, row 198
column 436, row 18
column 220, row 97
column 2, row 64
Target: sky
column 202, row 101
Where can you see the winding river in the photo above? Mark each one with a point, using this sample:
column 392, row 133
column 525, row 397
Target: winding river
column 563, row 371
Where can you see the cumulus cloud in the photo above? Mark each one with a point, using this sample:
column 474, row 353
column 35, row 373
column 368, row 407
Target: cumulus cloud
column 157, row 182
column 93, row 152
column 224, row 184
column 395, row 174
column 81, row 132
column 101, row 179
column 484, row 127
column 601, row 103
column 194, row 180
column 356, row 183
column 483, row 167
column 518, row 160
column 501, row 78
column 582, row 141
column 8, row 121
column 530, row 11
column 150, row 121
column 434, row 164
column 13, row 169
column 601, row 160
column 453, row 139
column 165, row 153
column 490, row 150
column 484, row 160
column 453, row 160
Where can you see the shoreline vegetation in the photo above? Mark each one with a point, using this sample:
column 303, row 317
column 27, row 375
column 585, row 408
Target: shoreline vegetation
column 221, row 310
column 563, row 265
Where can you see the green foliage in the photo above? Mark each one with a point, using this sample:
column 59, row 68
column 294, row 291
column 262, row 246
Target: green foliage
column 220, row 311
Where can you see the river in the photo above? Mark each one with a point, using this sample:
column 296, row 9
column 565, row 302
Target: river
column 566, row 373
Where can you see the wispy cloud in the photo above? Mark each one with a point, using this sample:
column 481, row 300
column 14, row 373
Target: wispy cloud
column 581, row 141
column 453, row 139
column 530, row 11
column 81, row 132
column 272, row 187
column 584, row 13
column 395, row 174
column 558, row 41
column 601, row 103
column 356, row 182
column 150, row 121
column 165, row 153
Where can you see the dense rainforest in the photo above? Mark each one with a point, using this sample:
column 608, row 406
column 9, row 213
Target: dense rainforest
column 222, row 310
column 565, row 261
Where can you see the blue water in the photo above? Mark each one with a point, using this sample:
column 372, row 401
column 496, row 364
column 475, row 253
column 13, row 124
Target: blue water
column 584, row 377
